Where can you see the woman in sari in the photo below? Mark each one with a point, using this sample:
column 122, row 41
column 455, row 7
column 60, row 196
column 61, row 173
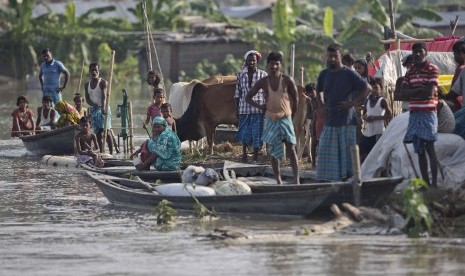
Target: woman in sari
column 163, row 149
column 68, row 114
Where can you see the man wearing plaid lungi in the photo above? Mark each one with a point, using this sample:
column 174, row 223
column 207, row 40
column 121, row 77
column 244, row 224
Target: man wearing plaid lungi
column 250, row 117
column 343, row 89
column 419, row 88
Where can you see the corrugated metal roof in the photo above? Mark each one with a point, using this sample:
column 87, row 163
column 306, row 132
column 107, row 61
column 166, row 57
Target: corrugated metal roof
column 446, row 18
column 82, row 6
column 243, row 12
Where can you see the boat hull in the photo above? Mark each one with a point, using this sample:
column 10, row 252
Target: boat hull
column 374, row 193
column 128, row 193
column 55, row 142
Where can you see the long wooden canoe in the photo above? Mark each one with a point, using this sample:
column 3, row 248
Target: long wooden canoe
column 130, row 193
column 59, row 141
column 374, row 192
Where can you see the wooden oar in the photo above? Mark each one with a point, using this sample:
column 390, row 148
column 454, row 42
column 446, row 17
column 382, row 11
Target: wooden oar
column 38, row 130
column 145, row 184
column 105, row 129
column 146, row 129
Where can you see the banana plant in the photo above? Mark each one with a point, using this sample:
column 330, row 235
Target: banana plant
column 370, row 16
column 16, row 41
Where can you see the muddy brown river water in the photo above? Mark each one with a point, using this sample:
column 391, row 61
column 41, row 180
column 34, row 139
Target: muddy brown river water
column 56, row 222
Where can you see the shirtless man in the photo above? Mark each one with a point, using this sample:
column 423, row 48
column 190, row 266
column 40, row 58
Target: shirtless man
column 281, row 103
column 96, row 97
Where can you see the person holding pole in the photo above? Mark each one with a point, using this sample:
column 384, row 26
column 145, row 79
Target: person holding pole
column 96, row 97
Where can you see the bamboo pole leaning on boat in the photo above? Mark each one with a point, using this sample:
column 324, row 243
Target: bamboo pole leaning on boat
column 357, row 174
column 107, row 104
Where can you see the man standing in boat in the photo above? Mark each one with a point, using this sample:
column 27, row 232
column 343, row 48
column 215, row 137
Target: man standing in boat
column 281, row 102
column 96, row 97
column 49, row 76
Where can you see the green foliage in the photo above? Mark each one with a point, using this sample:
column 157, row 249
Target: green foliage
column 328, row 21
column 206, row 69
column 415, row 208
column 165, row 213
column 304, row 231
column 200, row 211
column 284, row 24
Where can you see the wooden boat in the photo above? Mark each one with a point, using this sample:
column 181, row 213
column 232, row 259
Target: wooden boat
column 374, row 192
column 59, row 141
column 240, row 169
column 130, row 193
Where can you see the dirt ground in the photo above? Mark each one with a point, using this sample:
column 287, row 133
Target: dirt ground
column 233, row 152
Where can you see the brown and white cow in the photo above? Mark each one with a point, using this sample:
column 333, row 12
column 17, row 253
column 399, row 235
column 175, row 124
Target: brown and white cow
column 210, row 106
column 299, row 121
column 181, row 93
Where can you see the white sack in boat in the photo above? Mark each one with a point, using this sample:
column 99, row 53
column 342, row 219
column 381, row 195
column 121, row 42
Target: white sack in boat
column 137, row 160
column 179, row 189
column 389, row 155
column 190, row 174
column 207, row 177
column 231, row 187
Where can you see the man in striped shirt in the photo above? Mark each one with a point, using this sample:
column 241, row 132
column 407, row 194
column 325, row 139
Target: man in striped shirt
column 251, row 118
column 419, row 88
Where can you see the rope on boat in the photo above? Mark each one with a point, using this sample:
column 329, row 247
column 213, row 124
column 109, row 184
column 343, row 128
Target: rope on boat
column 149, row 38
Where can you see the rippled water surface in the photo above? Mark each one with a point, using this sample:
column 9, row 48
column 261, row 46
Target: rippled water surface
column 56, row 222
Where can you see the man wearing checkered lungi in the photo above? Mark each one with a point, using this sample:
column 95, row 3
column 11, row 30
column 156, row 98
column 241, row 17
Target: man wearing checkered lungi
column 250, row 117
column 343, row 89
column 419, row 88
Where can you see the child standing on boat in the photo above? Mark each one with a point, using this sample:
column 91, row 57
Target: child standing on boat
column 375, row 112
column 23, row 118
column 154, row 109
column 167, row 112
column 78, row 100
column 87, row 147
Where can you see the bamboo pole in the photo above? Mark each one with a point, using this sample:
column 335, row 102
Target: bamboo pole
column 453, row 25
column 292, row 59
column 131, row 127
column 392, row 19
column 107, row 104
column 389, row 41
column 147, row 38
column 80, row 78
column 357, row 174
